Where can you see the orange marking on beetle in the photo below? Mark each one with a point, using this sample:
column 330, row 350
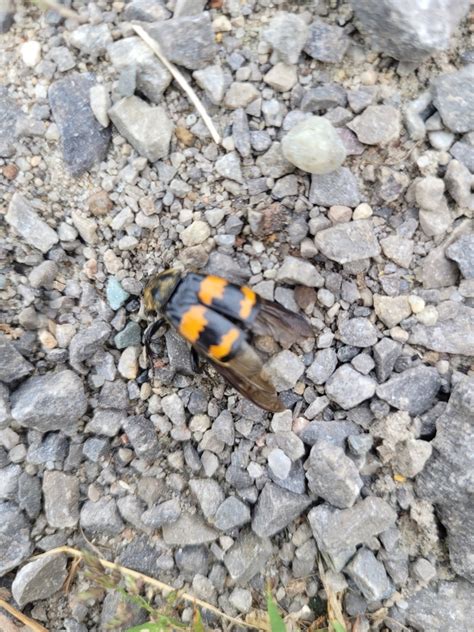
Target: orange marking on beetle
column 225, row 346
column 211, row 288
column 193, row 322
column 247, row 303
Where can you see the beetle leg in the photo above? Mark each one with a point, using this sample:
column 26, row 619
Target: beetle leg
column 195, row 361
column 149, row 333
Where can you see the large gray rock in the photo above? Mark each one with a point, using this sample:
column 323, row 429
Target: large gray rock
column 343, row 529
column 187, row 41
column 15, row 543
column 247, row 557
column 147, row 128
column 276, row 509
column 55, row 401
column 369, row 575
column 39, row 579
column 61, row 499
column 334, row 432
column 142, row 435
column 337, row 187
column 286, row 33
column 27, row 223
column 13, row 365
column 152, row 78
column 358, row 332
column 101, row 517
column 414, row 390
column 332, row 475
column 410, row 30
column 348, row 388
column 452, row 333
column 188, row 530
column 444, row 607
column 445, row 480
column 347, row 242
column 453, row 96
column 462, row 252
column 326, row 42
column 86, row 343
column 84, row 141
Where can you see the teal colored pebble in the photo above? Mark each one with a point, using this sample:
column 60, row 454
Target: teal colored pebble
column 130, row 336
column 116, row 295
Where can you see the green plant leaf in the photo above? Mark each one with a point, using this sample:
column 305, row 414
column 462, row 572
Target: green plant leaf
column 198, row 625
column 146, row 627
column 337, row 627
column 276, row 622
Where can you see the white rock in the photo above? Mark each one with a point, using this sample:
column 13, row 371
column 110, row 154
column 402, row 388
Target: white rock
column 100, row 103
column 31, row 53
column 195, row 234
column 314, row 146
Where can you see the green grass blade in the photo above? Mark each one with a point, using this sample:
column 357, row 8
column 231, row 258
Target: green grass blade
column 146, row 627
column 337, row 627
column 276, row 622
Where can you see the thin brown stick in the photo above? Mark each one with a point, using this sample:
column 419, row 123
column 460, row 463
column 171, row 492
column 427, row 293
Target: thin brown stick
column 148, row 580
column 34, row 625
column 153, row 44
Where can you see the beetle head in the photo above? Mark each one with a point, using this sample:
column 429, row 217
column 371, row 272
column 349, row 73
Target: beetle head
column 159, row 288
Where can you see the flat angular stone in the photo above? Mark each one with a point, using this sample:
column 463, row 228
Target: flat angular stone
column 284, row 369
column 296, row 271
column 61, row 499
column 326, row 42
column 146, row 11
column 142, row 435
column 377, row 125
column 54, row 401
column 342, row 529
column 369, row 575
column 276, row 509
column 247, row 557
column 462, row 252
column 152, row 78
column 163, row 513
column 209, row 495
column 232, row 513
column 386, row 353
column 452, row 333
column 84, row 141
column 453, row 96
column 147, row 128
column 414, row 390
column 188, row 530
column 15, row 543
column 358, row 332
column 101, row 517
column 348, row 388
column 336, row 188
column 442, row 481
column 348, row 242
column 26, row 222
column 13, row 365
column 332, row 475
column 334, row 432
column 410, row 31
column 391, row 309
column 444, row 607
column 286, row 34
column 39, row 579
column 323, row 366
column 187, row 41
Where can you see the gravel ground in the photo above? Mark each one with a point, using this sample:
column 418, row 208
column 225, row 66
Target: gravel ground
column 342, row 189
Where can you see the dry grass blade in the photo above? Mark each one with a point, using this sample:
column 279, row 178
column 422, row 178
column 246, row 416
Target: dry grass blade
column 32, row 625
column 334, row 601
column 151, row 581
column 153, row 44
column 61, row 9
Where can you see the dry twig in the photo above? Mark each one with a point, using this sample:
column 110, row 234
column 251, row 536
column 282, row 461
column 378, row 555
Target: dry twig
column 151, row 581
column 30, row 623
column 153, row 44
